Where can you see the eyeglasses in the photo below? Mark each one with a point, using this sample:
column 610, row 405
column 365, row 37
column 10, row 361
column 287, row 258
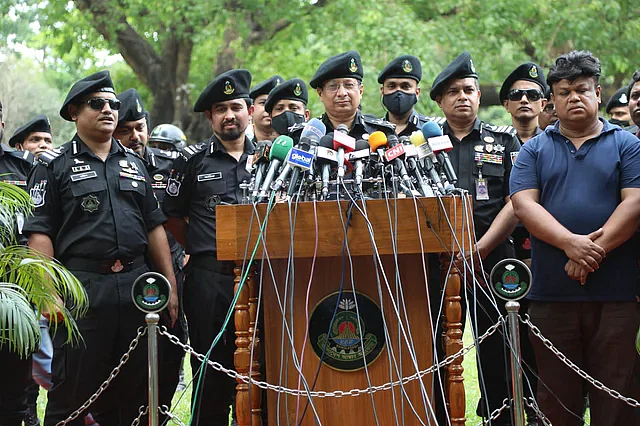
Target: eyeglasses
column 532, row 94
column 349, row 86
column 549, row 109
column 98, row 103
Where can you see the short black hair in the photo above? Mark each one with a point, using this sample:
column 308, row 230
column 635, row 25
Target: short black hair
column 634, row 80
column 573, row 65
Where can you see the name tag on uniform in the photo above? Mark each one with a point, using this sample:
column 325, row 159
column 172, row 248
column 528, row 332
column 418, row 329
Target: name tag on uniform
column 210, row 176
column 487, row 158
column 83, row 176
column 132, row 176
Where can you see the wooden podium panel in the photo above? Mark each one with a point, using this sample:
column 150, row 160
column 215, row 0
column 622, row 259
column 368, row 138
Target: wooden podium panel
column 437, row 222
column 349, row 410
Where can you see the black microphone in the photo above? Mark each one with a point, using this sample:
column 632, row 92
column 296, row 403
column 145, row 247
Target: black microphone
column 279, row 151
column 356, row 157
column 309, row 139
column 395, row 154
column 325, row 157
column 260, row 161
column 411, row 153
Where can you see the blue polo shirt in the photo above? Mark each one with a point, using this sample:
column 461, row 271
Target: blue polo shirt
column 581, row 189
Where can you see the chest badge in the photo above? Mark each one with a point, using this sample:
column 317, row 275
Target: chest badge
column 123, row 163
column 478, row 148
column 488, row 139
column 488, row 147
column 212, row 202
column 499, row 149
column 90, row 204
column 157, row 177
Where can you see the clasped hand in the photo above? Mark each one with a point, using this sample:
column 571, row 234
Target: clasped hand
column 585, row 256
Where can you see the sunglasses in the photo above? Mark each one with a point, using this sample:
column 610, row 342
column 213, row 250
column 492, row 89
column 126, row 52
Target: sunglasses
column 532, row 94
column 98, row 103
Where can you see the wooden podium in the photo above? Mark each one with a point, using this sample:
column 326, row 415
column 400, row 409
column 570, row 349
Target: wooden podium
column 235, row 222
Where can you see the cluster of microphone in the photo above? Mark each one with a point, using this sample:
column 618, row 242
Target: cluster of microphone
column 324, row 166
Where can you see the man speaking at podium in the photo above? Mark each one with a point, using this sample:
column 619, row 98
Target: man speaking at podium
column 203, row 176
column 576, row 188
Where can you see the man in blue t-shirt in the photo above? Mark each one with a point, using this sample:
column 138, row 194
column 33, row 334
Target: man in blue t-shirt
column 576, row 188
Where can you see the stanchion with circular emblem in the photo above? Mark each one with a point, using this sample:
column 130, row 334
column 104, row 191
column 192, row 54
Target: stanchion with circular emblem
column 510, row 280
column 150, row 293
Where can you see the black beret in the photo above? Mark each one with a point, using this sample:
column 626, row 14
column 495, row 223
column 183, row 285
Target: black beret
column 405, row 66
column 460, row 67
column 97, row 82
column 131, row 108
column 527, row 71
column 344, row 65
column 265, row 87
column 39, row 124
column 619, row 99
column 294, row 89
column 229, row 85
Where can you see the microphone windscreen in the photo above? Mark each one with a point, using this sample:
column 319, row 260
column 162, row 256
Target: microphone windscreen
column 342, row 128
column 314, row 130
column 281, row 147
column 417, row 138
column 430, row 130
column 377, row 139
column 361, row 144
column 326, row 141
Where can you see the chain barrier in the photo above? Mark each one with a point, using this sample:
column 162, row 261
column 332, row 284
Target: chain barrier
column 114, row 373
column 596, row 383
column 142, row 411
column 496, row 413
column 326, row 394
column 163, row 409
column 531, row 403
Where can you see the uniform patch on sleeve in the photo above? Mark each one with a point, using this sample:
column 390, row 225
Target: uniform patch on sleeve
column 514, row 155
column 38, row 192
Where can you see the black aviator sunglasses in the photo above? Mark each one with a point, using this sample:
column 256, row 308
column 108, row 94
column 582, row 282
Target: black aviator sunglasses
column 98, row 103
column 532, row 94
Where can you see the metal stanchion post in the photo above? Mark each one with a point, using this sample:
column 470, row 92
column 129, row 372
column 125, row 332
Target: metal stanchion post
column 510, row 280
column 516, row 371
column 152, row 333
column 150, row 293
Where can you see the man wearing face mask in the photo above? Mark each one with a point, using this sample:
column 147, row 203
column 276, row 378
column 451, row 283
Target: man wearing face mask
column 287, row 106
column 618, row 108
column 338, row 82
column 262, row 130
column 400, row 90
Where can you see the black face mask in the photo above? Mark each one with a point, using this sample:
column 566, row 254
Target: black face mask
column 281, row 123
column 620, row 123
column 399, row 103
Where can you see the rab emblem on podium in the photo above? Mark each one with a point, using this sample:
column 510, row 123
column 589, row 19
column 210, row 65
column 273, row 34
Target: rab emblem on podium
column 343, row 341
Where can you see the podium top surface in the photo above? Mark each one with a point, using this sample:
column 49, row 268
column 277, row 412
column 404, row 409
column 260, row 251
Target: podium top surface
column 397, row 225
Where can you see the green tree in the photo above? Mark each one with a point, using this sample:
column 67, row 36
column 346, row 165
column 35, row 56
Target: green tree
column 31, row 284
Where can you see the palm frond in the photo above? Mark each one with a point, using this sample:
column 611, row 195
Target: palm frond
column 14, row 203
column 19, row 328
column 43, row 279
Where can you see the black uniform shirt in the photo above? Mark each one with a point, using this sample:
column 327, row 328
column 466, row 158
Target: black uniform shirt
column 415, row 122
column 159, row 165
column 363, row 124
column 90, row 208
column 495, row 149
column 203, row 176
column 15, row 166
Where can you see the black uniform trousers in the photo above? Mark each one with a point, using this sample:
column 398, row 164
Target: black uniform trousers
column 16, row 373
column 107, row 329
column 208, row 292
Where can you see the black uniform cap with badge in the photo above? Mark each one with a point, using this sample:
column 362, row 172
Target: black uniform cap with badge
column 460, row 67
column 344, row 65
column 94, row 83
column 399, row 102
column 39, row 124
column 264, row 87
column 618, row 99
column 528, row 71
column 227, row 86
column 131, row 107
column 295, row 90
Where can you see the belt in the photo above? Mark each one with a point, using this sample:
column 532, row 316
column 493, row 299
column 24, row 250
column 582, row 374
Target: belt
column 210, row 263
column 104, row 266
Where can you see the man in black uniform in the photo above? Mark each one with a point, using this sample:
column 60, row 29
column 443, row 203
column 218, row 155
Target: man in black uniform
column 96, row 213
column 618, row 108
column 14, row 370
column 482, row 156
column 338, row 82
column 132, row 132
column 33, row 136
column 203, row 176
column 262, row 130
column 287, row 106
column 400, row 91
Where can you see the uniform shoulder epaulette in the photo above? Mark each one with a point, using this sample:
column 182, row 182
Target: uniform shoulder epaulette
column 192, row 150
column 378, row 122
column 22, row 155
column 48, row 157
column 438, row 120
column 500, row 129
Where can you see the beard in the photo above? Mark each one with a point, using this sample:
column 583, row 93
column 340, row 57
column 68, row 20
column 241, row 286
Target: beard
column 231, row 134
